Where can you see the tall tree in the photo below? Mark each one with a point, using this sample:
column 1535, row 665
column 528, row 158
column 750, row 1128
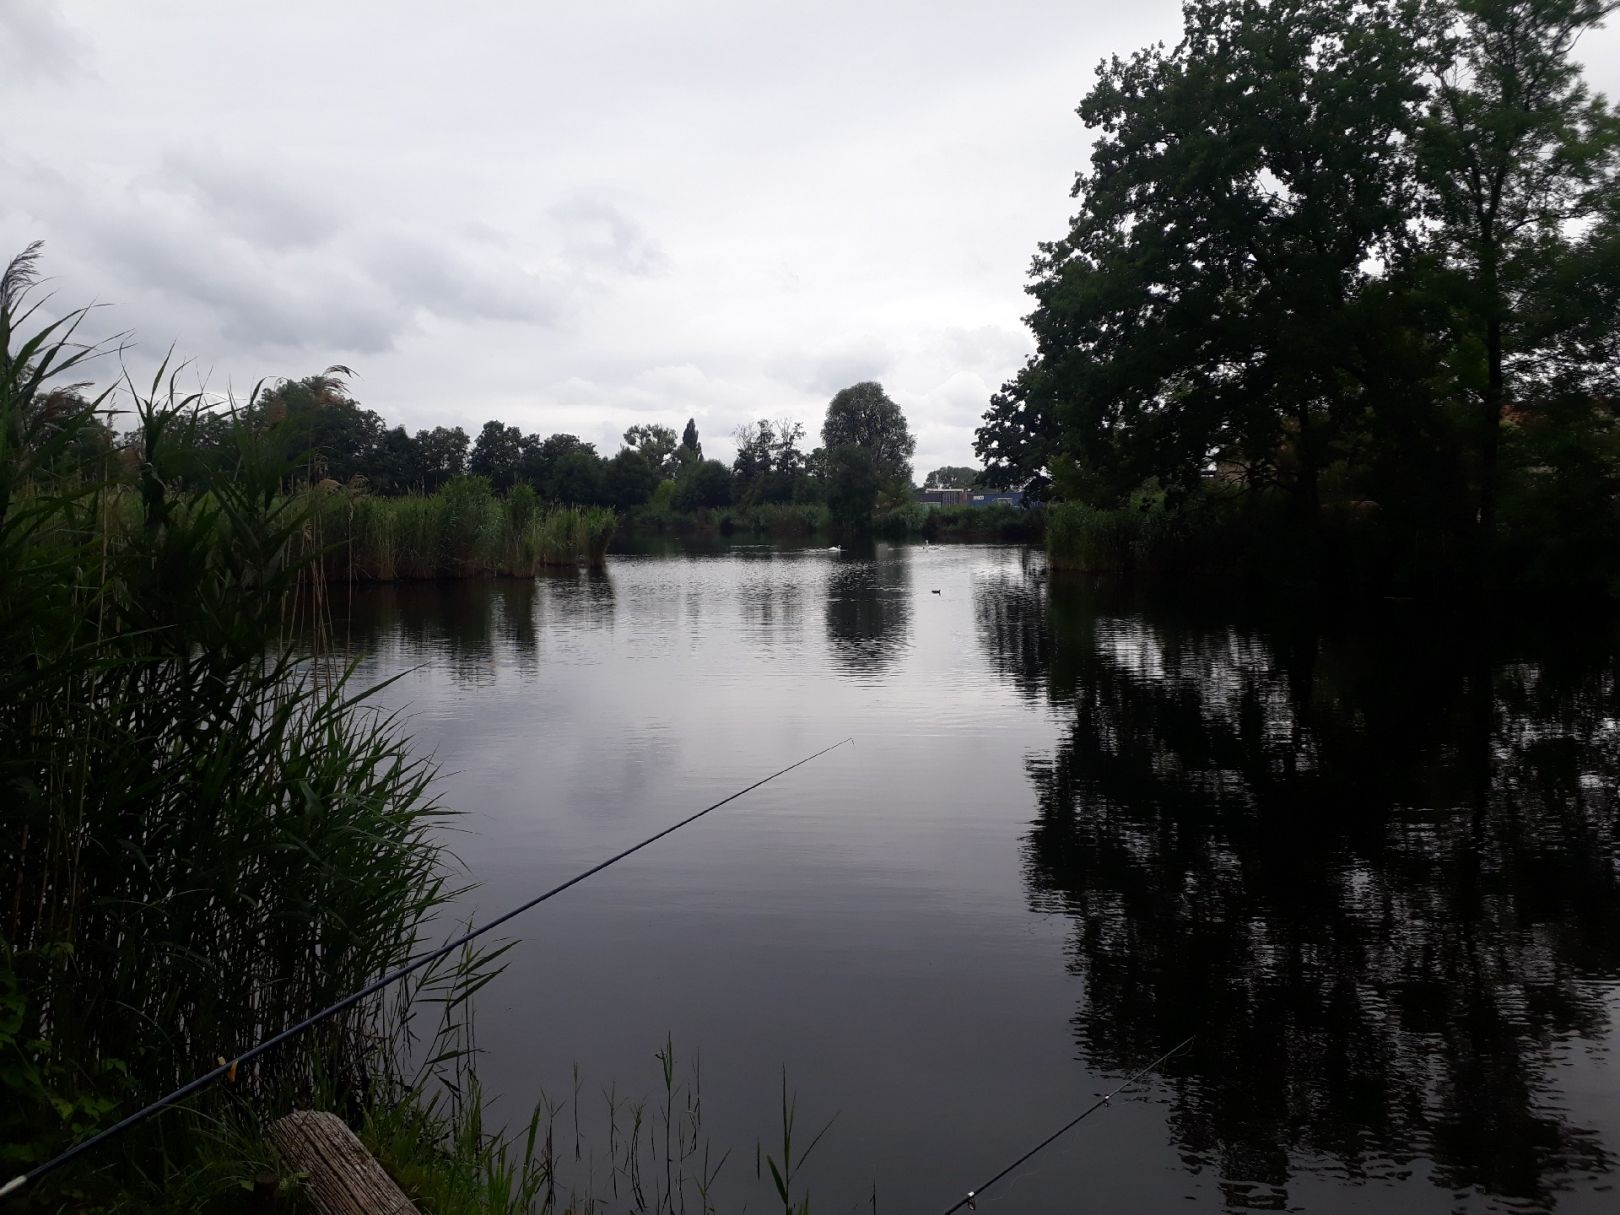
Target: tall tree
column 396, row 465
column 863, row 416
column 1209, row 299
column 853, row 482
column 579, row 476
column 690, row 447
column 444, row 454
column 629, row 479
column 562, row 467
column 319, row 423
column 1516, row 152
column 656, row 445
column 770, row 466
column 497, row 454
column 1018, row 439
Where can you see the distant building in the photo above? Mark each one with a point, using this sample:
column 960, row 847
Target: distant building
column 970, row 497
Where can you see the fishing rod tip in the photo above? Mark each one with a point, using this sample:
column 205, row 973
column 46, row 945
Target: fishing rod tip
column 16, row 1183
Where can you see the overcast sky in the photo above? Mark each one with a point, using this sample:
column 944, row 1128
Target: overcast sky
column 569, row 217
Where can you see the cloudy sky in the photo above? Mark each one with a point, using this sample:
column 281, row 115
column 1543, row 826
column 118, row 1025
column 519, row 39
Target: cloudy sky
column 566, row 216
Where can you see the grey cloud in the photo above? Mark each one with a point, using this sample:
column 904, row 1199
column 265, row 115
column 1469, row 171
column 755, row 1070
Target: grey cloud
column 461, row 283
column 250, row 203
column 988, row 346
column 302, row 301
column 599, row 236
column 837, row 366
column 198, row 239
column 36, row 43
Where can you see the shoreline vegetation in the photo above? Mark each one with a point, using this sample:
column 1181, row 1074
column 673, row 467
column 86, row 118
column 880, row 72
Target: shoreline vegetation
column 466, row 531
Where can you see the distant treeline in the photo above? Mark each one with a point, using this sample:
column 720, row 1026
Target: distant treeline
column 1341, row 302
column 861, row 468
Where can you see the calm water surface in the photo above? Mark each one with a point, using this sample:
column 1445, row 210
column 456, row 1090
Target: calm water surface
column 1372, row 865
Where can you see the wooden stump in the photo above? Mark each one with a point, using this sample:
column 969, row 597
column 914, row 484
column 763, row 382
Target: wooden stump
column 344, row 1178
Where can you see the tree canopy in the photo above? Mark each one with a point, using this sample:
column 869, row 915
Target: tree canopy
column 951, row 476
column 863, row 416
column 1315, row 257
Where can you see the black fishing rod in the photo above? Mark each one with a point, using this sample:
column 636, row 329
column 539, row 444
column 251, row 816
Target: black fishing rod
column 349, row 1001
column 972, row 1195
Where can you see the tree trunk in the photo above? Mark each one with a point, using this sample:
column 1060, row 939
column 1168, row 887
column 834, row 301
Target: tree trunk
column 1308, row 493
column 1491, row 429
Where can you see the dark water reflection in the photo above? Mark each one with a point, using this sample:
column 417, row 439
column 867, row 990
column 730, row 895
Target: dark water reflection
column 1372, row 864
column 869, row 612
column 1374, row 870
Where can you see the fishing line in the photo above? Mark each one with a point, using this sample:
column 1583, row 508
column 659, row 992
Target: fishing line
column 972, row 1195
column 349, row 1001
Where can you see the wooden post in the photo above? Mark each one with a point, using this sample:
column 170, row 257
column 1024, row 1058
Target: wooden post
column 344, row 1178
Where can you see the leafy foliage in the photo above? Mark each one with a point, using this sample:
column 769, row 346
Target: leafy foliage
column 1327, row 251
column 863, row 416
column 952, row 476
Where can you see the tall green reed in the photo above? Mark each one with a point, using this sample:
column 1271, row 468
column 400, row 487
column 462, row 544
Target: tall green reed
column 461, row 531
column 209, row 832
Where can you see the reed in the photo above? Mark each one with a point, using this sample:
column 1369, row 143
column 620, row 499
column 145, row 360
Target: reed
column 573, row 535
column 463, row 531
column 207, row 830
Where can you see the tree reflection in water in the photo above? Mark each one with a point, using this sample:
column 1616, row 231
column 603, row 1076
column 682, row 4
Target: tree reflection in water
column 1374, row 869
column 869, row 609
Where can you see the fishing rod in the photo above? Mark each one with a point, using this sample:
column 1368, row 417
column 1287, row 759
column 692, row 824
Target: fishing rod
column 229, row 1068
column 972, row 1195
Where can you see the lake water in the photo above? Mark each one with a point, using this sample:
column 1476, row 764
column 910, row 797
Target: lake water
column 1371, row 864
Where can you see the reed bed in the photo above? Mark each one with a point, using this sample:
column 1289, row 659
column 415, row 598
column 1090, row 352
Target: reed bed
column 207, row 831
column 462, row 531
